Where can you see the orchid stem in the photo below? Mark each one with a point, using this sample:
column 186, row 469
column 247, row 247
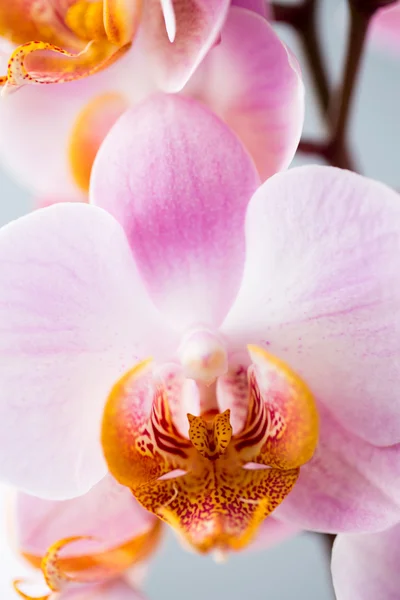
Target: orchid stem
column 341, row 107
column 303, row 18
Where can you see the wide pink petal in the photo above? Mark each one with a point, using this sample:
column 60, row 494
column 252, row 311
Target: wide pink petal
column 73, row 318
column 108, row 512
column 262, row 95
column 179, row 181
column 197, row 26
column 349, row 484
column 385, row 28
column 327, row 242
column 366, row 567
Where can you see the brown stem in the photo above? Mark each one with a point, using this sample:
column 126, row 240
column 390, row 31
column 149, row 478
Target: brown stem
column 303, row 18
column 342, row 102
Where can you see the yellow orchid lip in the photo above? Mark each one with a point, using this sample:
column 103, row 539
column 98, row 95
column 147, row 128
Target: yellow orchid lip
column 59, row 46
column 228, row 483
column 91, row 568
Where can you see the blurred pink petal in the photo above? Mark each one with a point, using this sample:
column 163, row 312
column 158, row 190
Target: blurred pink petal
column 262, row 95
column 261, row 7
column 179, row 182
column 113, row 590
column 385, row 28
column 35, row 129
column 14, row 567
column 198, row 24
column 366, row 566
column 327, row 242
column 349, row 484
column 108, row 512
column 74, row 316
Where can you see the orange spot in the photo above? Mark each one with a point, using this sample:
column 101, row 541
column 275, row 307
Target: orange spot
column 217, row 503
column 89, row 130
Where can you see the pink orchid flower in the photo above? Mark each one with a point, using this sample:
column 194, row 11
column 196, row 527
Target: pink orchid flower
column 367, row 565
column 110, row 564
column 271, row 314
column 56, row 41
column 49, row 136
column 385, row 29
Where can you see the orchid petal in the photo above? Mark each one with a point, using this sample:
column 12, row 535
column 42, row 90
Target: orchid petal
column 113, row 590
column 260, row 7
column 367, row 566
column 73, row 317
column 179, row 181
column 348, row 486
column 328, row 303
column 262, row 98
column 385, row 28
column 108, row 513
column 197, row 26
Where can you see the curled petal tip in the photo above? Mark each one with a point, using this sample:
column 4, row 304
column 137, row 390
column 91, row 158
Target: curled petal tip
column 16, row 585
column 169, row 18
column 8, row 89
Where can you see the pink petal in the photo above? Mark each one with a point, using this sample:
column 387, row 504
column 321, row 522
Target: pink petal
column 366, row 567
column 261, row 7
column 35, row 125
column 349, row 484
column 114, row 590
column 262, row 96
column 108, row 512
column 179, row 182
column 73, row 318
column 328, row 302
column 385, row 29
column 198, row 24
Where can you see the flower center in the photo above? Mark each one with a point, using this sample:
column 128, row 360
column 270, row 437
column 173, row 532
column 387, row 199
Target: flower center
column 213, row 484
column 203, row 357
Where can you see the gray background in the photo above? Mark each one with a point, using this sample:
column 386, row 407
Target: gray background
column 297, row 568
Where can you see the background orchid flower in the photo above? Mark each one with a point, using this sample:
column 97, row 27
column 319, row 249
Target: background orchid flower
column 386, row 27
column 49, row 136
column 53, row 536
column 271, row 314
column 63, row 40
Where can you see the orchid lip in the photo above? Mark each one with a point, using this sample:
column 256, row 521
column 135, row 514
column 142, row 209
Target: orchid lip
column 212, row 485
